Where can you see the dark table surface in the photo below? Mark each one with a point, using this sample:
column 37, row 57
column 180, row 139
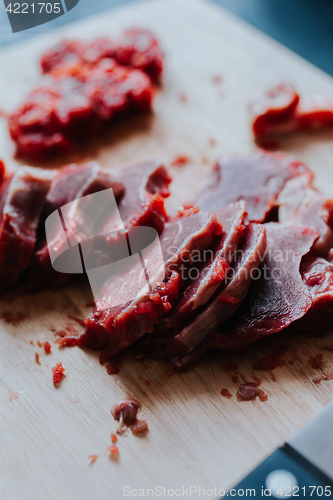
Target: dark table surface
column 305, row 26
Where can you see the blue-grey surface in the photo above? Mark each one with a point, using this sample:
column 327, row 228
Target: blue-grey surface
column 305, row 26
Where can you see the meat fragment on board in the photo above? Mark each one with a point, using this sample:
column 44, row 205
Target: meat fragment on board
column 125, row 412
column 280, row 110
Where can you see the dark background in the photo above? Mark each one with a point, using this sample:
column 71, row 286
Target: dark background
column 305, row 26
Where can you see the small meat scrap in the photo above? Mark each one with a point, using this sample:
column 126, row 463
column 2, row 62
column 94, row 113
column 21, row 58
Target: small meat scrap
column 92, row 458
column 39, row 343
column 225, row 393
column 112, row 369
column 114, row 438
column 125, row 411
column 47, row 347
column 37, row 358
column 280, row 110
column 58, row 373
column 324, row 376
column 250, row 391
column 114, row 452
column 179, row 161
column 257, row 179
column 272, row 361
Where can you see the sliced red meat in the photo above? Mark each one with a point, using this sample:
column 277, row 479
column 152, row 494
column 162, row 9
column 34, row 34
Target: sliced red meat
column 68, row 109
column 120, row 326
column 74, row 181
column 317, row 274
column 300, row 204
column 214, row 268
column 22, row 197
column 257, row 179
column 86, row 85
column 146, row 185
column 71, row 182
column 184, row 345
column 137, row 48
column 279, row 297
column 280, row 111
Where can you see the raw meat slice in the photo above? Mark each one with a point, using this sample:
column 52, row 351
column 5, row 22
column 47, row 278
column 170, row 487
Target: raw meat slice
column 70, row 109
column 279, row 297
column 273, row 107
column 317, row 274
column 280, row 111
column 71, row 182
column 300, row 204
column 137, row 48
column 118, row 327
column 257, row 179
column 212, row 271
column 22, row 197
column 186, row 344
column 146, row 184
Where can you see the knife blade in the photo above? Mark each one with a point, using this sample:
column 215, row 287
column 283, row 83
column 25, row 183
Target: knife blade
column 302, row 468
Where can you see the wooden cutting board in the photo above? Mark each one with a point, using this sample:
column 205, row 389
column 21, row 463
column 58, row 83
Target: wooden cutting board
column 196, row 437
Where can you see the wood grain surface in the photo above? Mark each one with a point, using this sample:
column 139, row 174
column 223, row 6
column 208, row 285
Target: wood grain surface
column 196, row 437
